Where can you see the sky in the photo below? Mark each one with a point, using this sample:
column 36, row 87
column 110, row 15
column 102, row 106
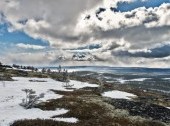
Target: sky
column 123, row 33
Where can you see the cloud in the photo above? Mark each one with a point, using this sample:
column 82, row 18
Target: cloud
column 53, row 21
column 158, row 51
column 102, row 55
column 149, row 17
column 96, row 27
column 28, row 46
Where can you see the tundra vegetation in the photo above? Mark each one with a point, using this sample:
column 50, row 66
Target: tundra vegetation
column 87, row 104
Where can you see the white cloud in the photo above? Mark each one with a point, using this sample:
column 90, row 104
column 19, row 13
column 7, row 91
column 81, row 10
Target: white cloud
column 140, row 27
column 49, row 20
column 62, row 23
column 151, row 17
column 28, row 46
column 58, row 25
column 113, row 3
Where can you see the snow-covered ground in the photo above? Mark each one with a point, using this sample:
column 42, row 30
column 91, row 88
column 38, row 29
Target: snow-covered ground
column 118, row 94
column 11, row 96
column 139, row 79
column 122, row 81
column 18, row 69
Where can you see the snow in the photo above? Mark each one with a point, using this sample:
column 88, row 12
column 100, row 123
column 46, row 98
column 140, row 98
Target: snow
column 11, row 96
column 70, row 120
column 19, row 69
column 139, row 79
column 79, row 85
column 118, row 94
column 16, row 112
column 122, row 81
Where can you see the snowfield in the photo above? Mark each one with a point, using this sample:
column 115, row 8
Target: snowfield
column 123, row 81
column 11, row 96
column 118, row 94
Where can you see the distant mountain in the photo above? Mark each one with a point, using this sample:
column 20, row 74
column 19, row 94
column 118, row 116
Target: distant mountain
column 77, row 56
column 83, row 56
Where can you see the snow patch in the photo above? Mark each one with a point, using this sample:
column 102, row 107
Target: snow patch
column 12, row 95
column 79, row 85
column 70, row 120
column 118, row 94
column 122, row 81
column 139, row 79
column 12, row 113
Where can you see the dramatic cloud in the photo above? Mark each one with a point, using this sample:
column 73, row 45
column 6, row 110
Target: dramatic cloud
column 49, row 20
column 108, row 19
column 89, row 30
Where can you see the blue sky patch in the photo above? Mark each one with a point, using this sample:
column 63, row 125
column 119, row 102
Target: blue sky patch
column 18, row 37
column 124, row 6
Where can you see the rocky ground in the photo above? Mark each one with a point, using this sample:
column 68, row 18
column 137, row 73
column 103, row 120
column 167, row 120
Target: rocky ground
column 145, row 110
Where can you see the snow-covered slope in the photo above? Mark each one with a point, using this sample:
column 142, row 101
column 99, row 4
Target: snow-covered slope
column 11, row 96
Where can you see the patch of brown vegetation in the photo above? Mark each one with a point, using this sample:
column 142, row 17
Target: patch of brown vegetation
column 84, row 79
column 38, row 122
column 91, row 110
column 78, row 92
